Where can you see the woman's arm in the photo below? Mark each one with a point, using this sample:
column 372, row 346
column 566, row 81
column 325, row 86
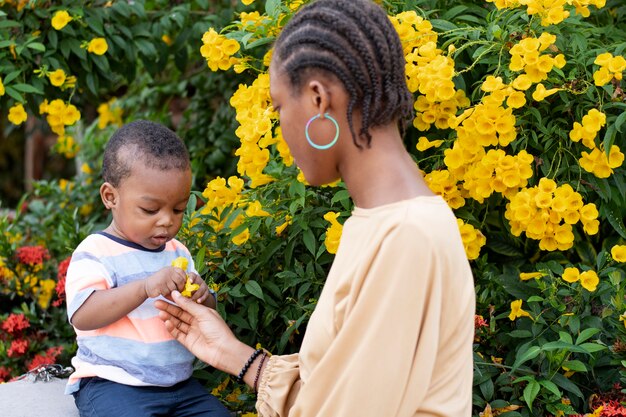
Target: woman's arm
column 205, row 334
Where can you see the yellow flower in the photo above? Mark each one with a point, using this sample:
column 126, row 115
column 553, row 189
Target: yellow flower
column 17, row 114
column 589, row 280
column 516, row 310
column 492, row 84
column 525, row 276
column 280, row 229
column 333, row 233
column 541, row 93
column 247, row 2
column 189, row 288
column 618, row 253
column 57, row 77
column 167, row 40
column 622, row 318
column 256, row 210
column 1, row 88
column 571, row 275
column 241, row 238
column 98, row 46
column 424, row 144
column 60, row 19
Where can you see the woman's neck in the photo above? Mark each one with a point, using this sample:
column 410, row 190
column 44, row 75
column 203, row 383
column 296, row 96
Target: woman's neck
column 383, row 173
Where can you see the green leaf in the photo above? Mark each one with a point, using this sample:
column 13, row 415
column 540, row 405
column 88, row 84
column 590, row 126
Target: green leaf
column 592, row 347
column 14, row 94
column 551, row 386
column 37, row 46
column 253, row 313
column 25, row 88
column 520, row 334
column 575, row 365
column 531, row 353
column 309, row 240
column 615, row 219
column 5, row 24
column 567, row 385
column 443, row 25
column 10, row 77
column 487, row 389
column 199, row 261
column 530, row 392
column 620, row 121
column 586, row 334
column 272, row 8
column 609, row 138
column 453, row 12
column 255, row 289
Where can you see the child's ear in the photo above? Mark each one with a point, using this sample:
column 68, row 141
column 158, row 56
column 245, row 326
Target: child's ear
column 108, row 194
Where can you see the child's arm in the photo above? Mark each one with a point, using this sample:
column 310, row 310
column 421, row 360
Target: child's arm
column 104, row 307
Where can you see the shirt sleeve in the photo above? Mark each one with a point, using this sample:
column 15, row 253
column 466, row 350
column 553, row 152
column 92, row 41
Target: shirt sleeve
column 389, row 326
column 85, row 274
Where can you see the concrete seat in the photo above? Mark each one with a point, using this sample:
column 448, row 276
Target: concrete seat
column 25, row 398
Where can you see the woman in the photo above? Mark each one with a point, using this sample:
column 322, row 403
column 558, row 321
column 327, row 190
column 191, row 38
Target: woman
column 392, row 332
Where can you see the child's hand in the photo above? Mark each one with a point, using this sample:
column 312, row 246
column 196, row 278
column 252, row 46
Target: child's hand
column 202, row 293
column 164, row 281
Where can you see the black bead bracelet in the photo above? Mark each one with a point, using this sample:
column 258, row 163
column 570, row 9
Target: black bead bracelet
column 245, row 368
column 255, row 386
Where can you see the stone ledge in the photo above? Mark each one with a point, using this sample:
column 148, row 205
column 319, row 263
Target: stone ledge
column 36, row 399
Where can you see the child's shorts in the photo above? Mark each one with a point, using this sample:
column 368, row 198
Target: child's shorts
column 99, row 397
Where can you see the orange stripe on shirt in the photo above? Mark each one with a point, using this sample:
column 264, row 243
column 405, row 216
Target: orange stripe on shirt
column 150, row 330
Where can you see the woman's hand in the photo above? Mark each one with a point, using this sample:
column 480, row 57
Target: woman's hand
column 199, row 328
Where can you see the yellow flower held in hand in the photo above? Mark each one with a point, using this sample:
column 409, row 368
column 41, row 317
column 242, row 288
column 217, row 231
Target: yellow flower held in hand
column 182, row 262
column 516, row 310
column 61, row 19
column 618, row 253
column 98, row 46
column 17, row 114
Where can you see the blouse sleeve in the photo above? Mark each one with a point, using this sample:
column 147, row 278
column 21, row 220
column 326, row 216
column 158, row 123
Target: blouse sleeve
column 389, row 326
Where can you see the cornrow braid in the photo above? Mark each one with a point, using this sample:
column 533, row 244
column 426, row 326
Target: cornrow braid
column 354, row 41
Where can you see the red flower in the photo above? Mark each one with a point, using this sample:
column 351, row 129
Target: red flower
column 60, row 288
column 18, row 348
column 15, row 323
column 32, row 255
column 5, row 374
column 479, row 322
column 48, row 358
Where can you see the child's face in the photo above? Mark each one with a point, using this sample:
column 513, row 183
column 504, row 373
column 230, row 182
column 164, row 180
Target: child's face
column 148, row 205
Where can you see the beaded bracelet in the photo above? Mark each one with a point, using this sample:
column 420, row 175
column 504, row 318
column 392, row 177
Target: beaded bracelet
column 247, row 365
column 255, row 386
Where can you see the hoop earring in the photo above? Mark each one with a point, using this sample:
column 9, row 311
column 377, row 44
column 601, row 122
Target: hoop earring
column 328, row 145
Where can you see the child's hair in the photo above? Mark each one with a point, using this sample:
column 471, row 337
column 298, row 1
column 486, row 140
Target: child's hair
column 354, row 41
column 152, row 143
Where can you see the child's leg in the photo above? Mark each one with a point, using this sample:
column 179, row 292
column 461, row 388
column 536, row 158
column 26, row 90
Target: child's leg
column 196, row 401
column 99, row 397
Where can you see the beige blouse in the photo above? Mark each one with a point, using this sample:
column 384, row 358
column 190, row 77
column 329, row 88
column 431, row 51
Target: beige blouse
column 392, row 332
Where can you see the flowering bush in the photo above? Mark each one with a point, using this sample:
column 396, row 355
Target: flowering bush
column 518, row 124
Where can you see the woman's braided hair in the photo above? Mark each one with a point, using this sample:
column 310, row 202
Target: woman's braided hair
column 355, row 41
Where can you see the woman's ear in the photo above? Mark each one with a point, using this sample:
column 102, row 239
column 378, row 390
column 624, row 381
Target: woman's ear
column 108, row 194
column 320, row 96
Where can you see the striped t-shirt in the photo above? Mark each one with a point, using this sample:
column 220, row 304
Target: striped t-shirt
column 137, row 349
